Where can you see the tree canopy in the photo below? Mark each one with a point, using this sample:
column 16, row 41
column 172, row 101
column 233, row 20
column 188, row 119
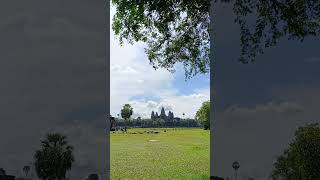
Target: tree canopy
column 126, row 111
column 177, row 31
column 272, row 20
column 302, row 158
column 203, row 115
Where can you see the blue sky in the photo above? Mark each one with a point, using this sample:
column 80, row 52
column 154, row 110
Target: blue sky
column 184, row 86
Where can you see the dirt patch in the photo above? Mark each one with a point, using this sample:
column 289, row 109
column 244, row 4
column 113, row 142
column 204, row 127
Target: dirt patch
column 153, row 140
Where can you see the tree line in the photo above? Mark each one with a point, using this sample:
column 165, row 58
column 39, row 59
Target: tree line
column 155, row 123
column 202, row 119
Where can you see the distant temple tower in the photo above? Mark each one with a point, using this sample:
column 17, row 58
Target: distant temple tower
column 167, row 118
column 163, row 114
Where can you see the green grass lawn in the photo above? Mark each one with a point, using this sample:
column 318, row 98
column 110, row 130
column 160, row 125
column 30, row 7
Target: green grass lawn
column 181, row 153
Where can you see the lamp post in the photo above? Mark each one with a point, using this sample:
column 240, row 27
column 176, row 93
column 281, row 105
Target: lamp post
column 184, row 118
column 236, row 166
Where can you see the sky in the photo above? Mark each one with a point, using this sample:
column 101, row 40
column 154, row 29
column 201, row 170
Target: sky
column 134, row 81
column 52, row 76
column 258, row 106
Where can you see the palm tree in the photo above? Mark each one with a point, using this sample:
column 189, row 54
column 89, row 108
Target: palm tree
column 54, row 159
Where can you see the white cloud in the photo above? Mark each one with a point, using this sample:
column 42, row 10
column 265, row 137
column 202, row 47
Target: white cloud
column 132, row 75
column 140, row 81
column 179, row 104
column 122, row 70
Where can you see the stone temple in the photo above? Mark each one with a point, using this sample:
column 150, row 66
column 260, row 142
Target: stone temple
column 169, row 119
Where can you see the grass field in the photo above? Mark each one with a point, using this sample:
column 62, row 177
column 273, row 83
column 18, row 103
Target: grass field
column 181, row 153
